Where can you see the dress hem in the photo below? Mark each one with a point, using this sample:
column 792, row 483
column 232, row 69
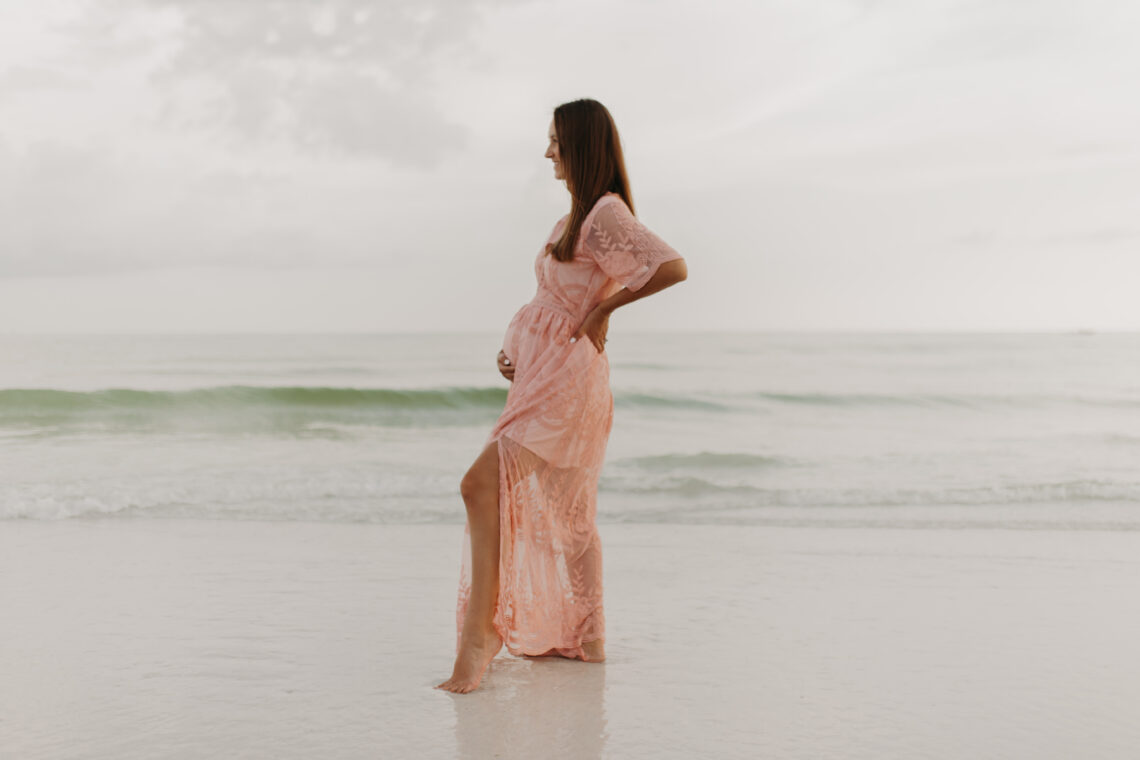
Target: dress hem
column 578, row 653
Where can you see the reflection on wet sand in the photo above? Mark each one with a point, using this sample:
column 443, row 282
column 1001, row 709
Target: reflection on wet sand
column 534, row 707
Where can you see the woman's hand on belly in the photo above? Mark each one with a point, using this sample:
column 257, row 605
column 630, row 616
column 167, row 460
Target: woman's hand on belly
column 506, row 368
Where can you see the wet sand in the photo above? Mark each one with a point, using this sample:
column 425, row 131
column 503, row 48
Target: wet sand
column 189, row 639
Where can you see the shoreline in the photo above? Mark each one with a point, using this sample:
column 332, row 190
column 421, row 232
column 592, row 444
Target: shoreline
column 190, row 638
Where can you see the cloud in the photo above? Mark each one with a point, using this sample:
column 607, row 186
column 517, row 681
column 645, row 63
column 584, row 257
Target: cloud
column 343, row 77
column 68, row 211
column 958, row 86
column 35, row 78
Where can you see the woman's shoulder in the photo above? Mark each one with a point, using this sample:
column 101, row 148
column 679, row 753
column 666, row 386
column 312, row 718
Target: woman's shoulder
column 610, row 199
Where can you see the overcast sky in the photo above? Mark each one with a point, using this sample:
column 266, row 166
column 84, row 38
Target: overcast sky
column 212, row 165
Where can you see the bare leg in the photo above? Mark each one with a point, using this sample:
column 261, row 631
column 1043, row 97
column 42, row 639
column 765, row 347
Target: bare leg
column 595, row 651
column 478, row 641
column 590, row 566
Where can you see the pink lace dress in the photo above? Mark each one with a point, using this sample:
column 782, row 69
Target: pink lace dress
column 552, row 438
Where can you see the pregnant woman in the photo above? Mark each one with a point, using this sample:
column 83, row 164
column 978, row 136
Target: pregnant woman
column 531, row 573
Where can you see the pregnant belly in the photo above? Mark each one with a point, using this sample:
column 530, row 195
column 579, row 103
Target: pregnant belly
column 535, row 327
column 512, row 336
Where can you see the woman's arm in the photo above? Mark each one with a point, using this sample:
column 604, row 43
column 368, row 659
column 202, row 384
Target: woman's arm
column 669, row 273
column 597, row 322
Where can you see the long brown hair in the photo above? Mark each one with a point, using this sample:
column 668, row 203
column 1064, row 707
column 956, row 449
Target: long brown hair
column 592, row 163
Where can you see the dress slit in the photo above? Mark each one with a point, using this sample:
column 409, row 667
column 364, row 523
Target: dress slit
column 550, row 592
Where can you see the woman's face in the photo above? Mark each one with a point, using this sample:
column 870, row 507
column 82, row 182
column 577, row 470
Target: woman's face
column 552, row 151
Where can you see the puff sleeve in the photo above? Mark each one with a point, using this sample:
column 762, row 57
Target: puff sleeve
column 624, row 248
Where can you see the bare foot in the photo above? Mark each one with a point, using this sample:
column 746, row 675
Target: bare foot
column 594, row 651
column 475, row 653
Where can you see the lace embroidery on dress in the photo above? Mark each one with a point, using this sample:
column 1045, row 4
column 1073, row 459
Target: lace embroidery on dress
column 624, row 248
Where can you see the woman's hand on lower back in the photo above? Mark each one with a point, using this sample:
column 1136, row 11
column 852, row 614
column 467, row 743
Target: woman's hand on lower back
column 506, row 368
column 594, row 328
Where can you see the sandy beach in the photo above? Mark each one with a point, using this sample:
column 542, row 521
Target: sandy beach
column 189, row 639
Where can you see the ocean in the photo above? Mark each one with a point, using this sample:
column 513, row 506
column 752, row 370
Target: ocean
column 843, row 429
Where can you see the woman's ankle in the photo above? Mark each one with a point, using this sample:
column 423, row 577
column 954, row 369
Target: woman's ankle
column 480, row 632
